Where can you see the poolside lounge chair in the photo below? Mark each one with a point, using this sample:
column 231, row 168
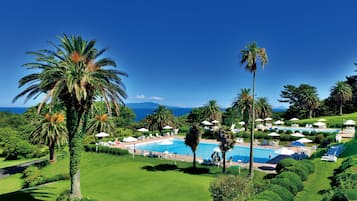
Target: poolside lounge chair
column 330, row 158
column 332, row 153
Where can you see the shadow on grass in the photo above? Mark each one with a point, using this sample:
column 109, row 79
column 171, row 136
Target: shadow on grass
column 170, row 167
column 33, row 194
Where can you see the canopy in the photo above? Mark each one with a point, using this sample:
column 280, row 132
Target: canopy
column 102, row 134
column 273, row 134
column 304, row 140
column 294, row 119
column 241, row 123
column 284, row 151
column 349, row 123
column 268, row 119
column 143, row 130
column 279, row 122
column 130, row 139
column 167, row 127
column 296, row 144
column 319, row 124
column 206, row 123
column 298, row 135
column 259, row 120
column 215, row 122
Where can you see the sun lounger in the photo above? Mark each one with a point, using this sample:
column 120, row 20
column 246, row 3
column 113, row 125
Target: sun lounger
column 330, row 158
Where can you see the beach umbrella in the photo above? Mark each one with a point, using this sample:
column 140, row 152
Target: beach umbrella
column 349, row 123
column 143, row 130
column 319, row 124
column 294, row 119
column 206, row 123
column 298, row 135
column 102, row 134
column 167, row 127
column 241, row 123
column 279, row 122
column 215, row 122
column 284, row 151
column 274, row 134
column 296, row 144
column 130, row 139
column 268, row 119
column 259, row 120
column 304, row 140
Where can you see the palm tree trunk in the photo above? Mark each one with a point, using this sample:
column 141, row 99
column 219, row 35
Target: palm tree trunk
column 224, row 161
column 52, row 152
column 341, row 109
column 251, row 172
column 194, row 160
column 310, row 113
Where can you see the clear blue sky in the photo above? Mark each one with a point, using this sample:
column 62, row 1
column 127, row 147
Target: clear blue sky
column 184, row 53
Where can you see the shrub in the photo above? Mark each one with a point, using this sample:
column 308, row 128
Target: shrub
column 306, row 132
column 286, row 184
column 269, row 195
column 289, row 132
column 309, row 165
column 15, row 148
column 228, row 187
column 281, row 131
column 299, row 170
column 293, row 177
column 31, row 176
column 102, row 149
column 287, row 162
column 339, row 196
column 351, row 194
column 281, row 191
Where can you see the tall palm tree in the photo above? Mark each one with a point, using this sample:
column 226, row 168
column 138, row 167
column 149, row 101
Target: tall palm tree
column 250, row 55
column 243, row 104
column 213, row 112
column 341, row 93
column 100, row 123
column 51, row 131
column 263, row 108
column 226, row 143
column 192, row 140
column 310, row 100
column 75, row 74
column 160, row 118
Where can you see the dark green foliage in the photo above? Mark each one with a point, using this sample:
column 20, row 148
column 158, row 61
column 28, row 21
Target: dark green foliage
column 287, row 162
column 299, row 169
column 281, row 191
column 33, row 177
column 339, row 196
column 309, row 165
column 289, row 132
column 226, row 188
column 269, row 195
column 15, row 148
column 293, row 177
column 286, row 183
column 351, row 194
column 107, row 150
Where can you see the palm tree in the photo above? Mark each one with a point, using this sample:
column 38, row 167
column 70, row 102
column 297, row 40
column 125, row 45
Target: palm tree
column 50, row 131
column 192, row 140
column 310, row 101
column 341, row 93
column 263, row 108
column 160, row 118
column 250, row 55
column 226, row 143
column 100, row 123
column 74, row 74
column 213, row 112
column 243, row 104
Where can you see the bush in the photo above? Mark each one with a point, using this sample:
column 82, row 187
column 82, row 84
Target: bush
column 287, row 162
column 16, row 148
column 228, row 187
column 293, row 177
column 339, row 196
column 290, row 186
column 309, row 165
column 269, row 195
column 299, row 170
column 32, row 176
column 281, row 191
column 351, row 194
column 107, row 150
column 289, row 132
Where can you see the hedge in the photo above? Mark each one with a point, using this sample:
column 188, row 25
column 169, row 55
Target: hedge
column 287, row 162
column 269, row 195
column 309, row 165
column 286, row 183
column 103, row 149
column 293, row 177
column 281, row 191
column 33, row 177
column 299, row 169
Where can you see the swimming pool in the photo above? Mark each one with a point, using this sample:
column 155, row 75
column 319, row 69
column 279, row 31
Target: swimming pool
column 302, row 129
column 205, row 150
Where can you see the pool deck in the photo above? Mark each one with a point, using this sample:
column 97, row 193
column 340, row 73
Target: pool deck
column 265, row 167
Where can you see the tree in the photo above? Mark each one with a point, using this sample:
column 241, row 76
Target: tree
column 263, row 108
column 243, row 104
column 100, row 123
column 192, row 140
column 197, row 115
column 341, row 93
column 51, row 131
column 212, row 111
column 226, row 143
column 250, row 55
column 160, row 118
column 74, row 74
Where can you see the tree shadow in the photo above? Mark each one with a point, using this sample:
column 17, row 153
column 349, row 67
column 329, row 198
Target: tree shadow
column 170, row 167
column 28, row 195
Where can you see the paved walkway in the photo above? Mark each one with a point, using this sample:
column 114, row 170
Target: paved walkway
column 7, row 171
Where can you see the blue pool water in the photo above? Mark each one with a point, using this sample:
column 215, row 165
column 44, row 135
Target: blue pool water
column 205, row 150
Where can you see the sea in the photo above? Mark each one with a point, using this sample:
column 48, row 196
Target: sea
column 140, row 113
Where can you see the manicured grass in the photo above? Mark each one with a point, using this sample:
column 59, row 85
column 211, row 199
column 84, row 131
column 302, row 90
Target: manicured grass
column 331, row 120
column 318, row 181
column 10, row 183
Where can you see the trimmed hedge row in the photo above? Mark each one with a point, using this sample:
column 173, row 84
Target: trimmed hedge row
column 107, row 150
column 33, row 177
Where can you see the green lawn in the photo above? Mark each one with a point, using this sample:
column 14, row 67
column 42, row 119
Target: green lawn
column 331, row 120
column 10, row 183
column 107, row 177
